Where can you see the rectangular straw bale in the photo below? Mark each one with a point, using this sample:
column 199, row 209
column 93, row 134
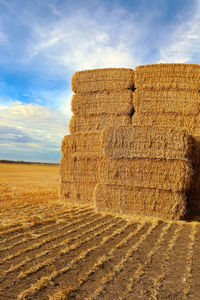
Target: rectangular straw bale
column 168, row 76
column 146, row 141
column 110, row 79
column 190, row 123
column 76, row 169
column 77, row 193
column 139, row 201
column 85, row 144
column 96, row 122
column 142, row 94
column 103, row 103
column 162, row 174
column 159, row 106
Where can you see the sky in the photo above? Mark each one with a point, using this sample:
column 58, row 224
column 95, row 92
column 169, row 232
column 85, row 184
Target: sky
column 43, row 43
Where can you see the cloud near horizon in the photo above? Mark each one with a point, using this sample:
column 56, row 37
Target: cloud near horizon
column 43, row 45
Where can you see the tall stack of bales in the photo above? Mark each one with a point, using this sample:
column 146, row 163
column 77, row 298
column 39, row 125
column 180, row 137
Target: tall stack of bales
column 169, row 94
column 102, row 97
column 145, row 170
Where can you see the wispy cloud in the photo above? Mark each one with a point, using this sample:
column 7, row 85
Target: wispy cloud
column 31, row 126
column 184, row 44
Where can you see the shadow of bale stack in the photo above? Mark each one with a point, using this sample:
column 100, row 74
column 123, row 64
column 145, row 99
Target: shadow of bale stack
column 102, row 98
column 168, row 94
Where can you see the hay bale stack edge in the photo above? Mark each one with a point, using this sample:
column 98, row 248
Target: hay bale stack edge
column 134, row 142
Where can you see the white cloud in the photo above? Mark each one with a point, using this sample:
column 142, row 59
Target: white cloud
column 31, row 127
column 184, row 44
column 84, row 41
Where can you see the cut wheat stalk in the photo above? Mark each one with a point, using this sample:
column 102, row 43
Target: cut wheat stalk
column 136, row 277
column 61, row 243
column 36, row 236
column 119, row 267
column 82, row 255
column 47, row 240
column 188, row 276
column 27, row 226
column 158, row 280
column 42, row 283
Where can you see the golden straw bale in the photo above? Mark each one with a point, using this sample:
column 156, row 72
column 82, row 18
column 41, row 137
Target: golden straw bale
column 190, row 123
column 168, row 76
column 103, row 103
column 182, row 108
column 140, row 201
column 77, row 169
column 85, row 144
column 162, row 174
column 77, row 193
column 96, row 122
column 142, row 94
column 146, row 141
column 109, row 79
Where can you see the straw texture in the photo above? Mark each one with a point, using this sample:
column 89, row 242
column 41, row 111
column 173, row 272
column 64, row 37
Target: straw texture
column 77, row 193
column 109, row 79
column 168, row 76
column 75, row 169
column 140, row 201
column 84, row 145
column 103, row 103
column 190, row 123
column 174, row 175
column 147, row 141
column 96, row 122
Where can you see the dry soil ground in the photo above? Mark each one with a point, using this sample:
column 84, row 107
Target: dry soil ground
column 49, row 250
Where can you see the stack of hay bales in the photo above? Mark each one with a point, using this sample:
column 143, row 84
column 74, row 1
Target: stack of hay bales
column 168, row 94
column 102, row 97
column 145, row 170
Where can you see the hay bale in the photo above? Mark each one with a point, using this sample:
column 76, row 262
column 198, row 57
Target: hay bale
column 86, row 145
column 153, row 94
column 162, row 174
column 190, row 123
column 168, row 76
column 102, row 103
column 77, row 193
column 96, row 122
column 75, row 169
column 140, row 201
column 180, row 108
column 146, row 141
column 110, row 79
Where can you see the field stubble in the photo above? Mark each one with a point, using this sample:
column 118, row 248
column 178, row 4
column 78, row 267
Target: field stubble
column 49, row 250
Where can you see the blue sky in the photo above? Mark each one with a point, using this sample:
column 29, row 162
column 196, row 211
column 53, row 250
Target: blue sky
column 42, row 43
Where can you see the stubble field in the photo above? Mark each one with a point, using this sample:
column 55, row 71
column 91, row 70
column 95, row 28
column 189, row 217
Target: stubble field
column 50, row 250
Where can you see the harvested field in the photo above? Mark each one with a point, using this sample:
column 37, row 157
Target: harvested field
column 49, row 250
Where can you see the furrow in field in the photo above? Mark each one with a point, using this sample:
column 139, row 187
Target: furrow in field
column 37, row 245
column 93, row 259
column 194, row 278
column 171, row 283
column 29, row 235
column 36, row 223
column 133, row 284
column 188, row 263
column 63, row 242
column 33, row 273
column 143, row 282
column 120, row 266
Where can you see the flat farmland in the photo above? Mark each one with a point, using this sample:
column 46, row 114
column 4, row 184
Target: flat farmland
column 51, row 250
